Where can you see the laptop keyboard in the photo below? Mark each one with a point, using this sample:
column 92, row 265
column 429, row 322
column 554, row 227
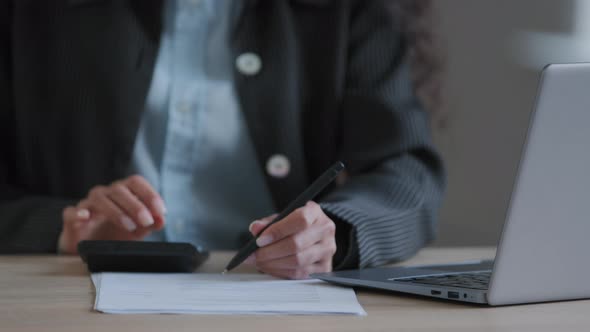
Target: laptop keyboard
column 472, row 280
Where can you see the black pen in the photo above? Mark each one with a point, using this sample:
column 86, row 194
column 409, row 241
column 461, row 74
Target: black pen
column 315, row 188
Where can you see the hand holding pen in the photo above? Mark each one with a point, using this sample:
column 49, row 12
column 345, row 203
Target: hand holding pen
column 301, row 244
column 297, row 242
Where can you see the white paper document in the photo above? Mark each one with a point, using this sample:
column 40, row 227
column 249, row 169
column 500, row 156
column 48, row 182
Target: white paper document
column 191, row 293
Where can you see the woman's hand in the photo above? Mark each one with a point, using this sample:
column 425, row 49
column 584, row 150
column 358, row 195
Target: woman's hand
column 299, row 245
column 128, row 209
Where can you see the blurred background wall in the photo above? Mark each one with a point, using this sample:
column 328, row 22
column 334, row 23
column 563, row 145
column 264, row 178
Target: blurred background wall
column 494, row 52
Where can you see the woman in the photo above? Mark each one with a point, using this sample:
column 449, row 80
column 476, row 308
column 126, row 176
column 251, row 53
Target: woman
column 182, row 120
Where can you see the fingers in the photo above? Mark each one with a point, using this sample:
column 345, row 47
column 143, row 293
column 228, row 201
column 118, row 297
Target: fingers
column 73, row 218
column 146, row 194
column 127, row 210
column 258, row 225
column 297, row 243
column 300, row 259
column 131, row 203
column 296, row 222
column 101, row 204
column 302, row 243
column 132, row 206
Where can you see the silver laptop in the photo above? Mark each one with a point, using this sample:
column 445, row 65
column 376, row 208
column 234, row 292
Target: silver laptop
column 545, row 244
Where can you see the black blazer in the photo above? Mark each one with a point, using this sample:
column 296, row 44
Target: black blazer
column 335, row 85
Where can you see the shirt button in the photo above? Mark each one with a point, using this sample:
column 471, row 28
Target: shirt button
column 249, row 64
column 278, row 166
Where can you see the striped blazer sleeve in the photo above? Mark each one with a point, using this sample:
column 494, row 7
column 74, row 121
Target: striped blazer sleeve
column 396, row 179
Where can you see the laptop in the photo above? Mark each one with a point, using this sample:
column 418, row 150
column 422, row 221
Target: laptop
column 543, row 251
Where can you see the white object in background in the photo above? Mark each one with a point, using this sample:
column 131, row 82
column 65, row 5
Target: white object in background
column 191, row 293
column 537, row 49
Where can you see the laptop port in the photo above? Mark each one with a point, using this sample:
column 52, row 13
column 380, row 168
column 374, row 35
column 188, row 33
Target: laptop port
column 453, row 295
column 435, row 292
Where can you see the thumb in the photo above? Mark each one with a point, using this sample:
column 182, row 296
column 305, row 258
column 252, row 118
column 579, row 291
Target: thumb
column 258, row 225
column 73, row 218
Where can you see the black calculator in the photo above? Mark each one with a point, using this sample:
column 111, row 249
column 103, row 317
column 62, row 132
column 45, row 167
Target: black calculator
column 140, row 256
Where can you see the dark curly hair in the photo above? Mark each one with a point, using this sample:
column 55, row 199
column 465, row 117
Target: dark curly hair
column 424, row 51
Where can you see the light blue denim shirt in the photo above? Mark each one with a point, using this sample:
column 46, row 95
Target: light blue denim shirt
column 192, row 144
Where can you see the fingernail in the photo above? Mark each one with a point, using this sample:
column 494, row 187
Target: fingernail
column 160, row 206
column 252, row 224
column 251, row 259
column 145, row 218
column 83, row 214
column 128, row 223
column 264, row 240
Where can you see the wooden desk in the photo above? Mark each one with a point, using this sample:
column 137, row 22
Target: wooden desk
column 47, row 293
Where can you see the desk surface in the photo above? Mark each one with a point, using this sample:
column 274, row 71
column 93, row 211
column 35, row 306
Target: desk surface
column 48, row 293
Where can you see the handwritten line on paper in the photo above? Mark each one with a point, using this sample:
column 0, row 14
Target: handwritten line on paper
column 214, row 294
